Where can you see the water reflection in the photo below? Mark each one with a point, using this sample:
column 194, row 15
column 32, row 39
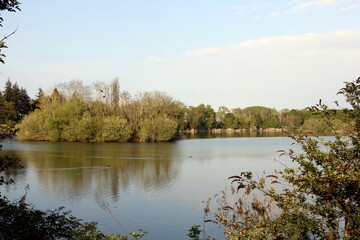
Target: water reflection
column 225, row 134
column 148, row 186
column 78, row 169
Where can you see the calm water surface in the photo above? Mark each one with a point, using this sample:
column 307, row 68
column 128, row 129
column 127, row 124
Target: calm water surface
column 158, row 187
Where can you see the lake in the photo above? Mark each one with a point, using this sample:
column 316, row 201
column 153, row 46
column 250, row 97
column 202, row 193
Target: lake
column 158, row 187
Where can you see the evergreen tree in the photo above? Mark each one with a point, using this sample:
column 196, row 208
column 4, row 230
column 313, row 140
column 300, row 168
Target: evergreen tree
column 15, row 103
column 8, row 91
column 1, row 100
column 24, row 105
column 35, row 103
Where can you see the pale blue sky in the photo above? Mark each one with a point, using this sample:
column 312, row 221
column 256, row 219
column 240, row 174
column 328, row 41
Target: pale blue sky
column 282, row 54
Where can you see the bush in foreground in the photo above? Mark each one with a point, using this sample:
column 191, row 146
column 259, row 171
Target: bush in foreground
column 320, row 198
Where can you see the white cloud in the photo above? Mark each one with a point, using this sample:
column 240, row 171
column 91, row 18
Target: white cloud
column 350, row 7
column 318, row 43
column 239, row 9
column 302, row 6
column 315, row 4
column 255, row 18
column 104, row 61
column 152, row 59
column 280, row 71
column 273, row 14
column 249, row 8
column 201, row 52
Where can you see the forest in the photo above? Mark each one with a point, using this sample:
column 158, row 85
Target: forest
column 73, row 111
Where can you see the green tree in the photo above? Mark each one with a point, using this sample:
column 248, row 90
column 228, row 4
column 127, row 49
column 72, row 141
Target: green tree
column 258, row 117
column 8, row 112
column 292, row 119
column 221, row 113
column 35, row 103
column 321, row 195
column 24, row 103
column 237, row 112
column 257, row 121
column 157, row 103
column 230, row 121
column 8, row 93
column 33, row 127
column 273, row 122
column 150, row 105
column 16, row 103
column 115, row 129
column 51, row 101
column 264, row 112
column 159, row 129
column 201, row 117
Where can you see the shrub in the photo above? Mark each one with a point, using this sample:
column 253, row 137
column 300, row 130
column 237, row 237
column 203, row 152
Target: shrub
column 321, row 197
column 115, row 129
column 159, row 129
column 32, row 127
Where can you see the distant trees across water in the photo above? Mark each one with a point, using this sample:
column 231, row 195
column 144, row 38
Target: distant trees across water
column 100, row 113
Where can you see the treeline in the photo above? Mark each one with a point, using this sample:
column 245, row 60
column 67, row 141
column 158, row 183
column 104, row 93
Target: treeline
column 99, row 113
column 260, row 118
column 76, row 112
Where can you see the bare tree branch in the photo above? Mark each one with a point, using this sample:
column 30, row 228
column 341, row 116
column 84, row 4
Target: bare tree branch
column 6, row 37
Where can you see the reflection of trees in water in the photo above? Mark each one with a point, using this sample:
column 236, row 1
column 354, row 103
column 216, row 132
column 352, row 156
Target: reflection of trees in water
column 16, row 172
column 225, row 134
column 79, row 169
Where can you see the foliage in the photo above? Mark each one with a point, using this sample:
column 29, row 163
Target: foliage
column 201, row 117
column 159, row 129
column 6, row 163
column 14, row 103
column 221, row 113
column 10, row 6
column 292, row 119
column 19, row 220
column 194, row 232
column 137, row 236
column 257, row 121
column 115, row 129
column 273, row 122
column 316, row 125
column 71, row 112
column 152, row 116
column 6, row 132
column 320, row 198
column 33, row 127
column 230, row 121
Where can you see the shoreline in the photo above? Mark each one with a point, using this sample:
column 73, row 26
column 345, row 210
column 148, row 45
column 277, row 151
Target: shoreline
column 232, row 130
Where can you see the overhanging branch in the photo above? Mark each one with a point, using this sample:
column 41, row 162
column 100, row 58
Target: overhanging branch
column 6, row 37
